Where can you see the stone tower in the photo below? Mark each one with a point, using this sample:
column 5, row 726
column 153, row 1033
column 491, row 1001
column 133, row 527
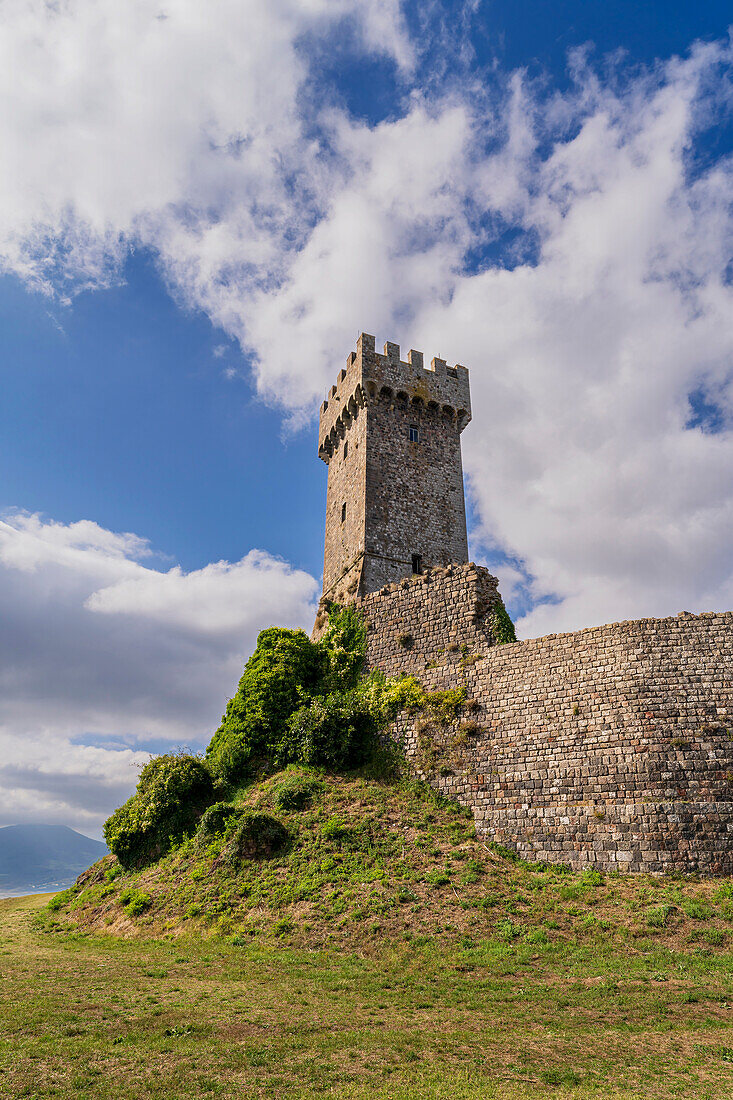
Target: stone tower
column 390, row 433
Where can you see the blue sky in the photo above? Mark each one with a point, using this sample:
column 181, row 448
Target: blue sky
column 118, row 407
column 200, row 208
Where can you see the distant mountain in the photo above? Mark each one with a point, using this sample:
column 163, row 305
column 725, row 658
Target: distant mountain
column 34, row 856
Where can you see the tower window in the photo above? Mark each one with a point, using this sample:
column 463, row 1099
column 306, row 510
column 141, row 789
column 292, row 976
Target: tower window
column 417, row 563
column 414, row 433
column 343, row 512
column 346, row 447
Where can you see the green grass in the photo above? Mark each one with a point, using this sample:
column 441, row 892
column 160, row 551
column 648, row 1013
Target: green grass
column 386, row 952
column 365, row 860
column 498, row 1017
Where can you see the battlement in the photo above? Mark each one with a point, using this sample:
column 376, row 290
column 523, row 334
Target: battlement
column 372, row 376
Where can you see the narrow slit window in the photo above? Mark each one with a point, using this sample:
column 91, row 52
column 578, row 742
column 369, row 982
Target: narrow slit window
column 417, row 563
column 343, row 512
column 414, row 433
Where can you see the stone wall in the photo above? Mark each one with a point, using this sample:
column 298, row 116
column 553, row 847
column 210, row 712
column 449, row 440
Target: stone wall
column 414, row 489
column 390, row 434
column 609, row 747
column 422, row 622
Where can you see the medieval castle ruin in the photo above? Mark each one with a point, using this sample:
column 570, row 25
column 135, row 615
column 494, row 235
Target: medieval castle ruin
column 609, row 747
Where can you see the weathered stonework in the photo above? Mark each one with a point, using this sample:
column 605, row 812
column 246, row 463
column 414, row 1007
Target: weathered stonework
column 420, row 621
column 609, row 747
column 391, row 496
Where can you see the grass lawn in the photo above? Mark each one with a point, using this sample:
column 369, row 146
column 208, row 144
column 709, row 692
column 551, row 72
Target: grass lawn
column 191, row 1015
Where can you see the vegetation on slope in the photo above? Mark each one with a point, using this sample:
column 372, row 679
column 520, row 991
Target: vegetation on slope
column 443, row 967
column 310, row 858
column 301, row 825
column 297, row 702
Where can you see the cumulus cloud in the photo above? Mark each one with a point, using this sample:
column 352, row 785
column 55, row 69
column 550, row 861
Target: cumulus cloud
column 103, row 656
column 575, row 252
column 587, row 461
column 178, row 126
column 572, row 248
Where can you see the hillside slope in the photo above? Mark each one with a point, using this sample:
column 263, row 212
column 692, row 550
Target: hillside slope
column 313, row 859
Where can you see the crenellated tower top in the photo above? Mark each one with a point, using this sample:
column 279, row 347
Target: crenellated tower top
column 369, row 374
column 390, row 434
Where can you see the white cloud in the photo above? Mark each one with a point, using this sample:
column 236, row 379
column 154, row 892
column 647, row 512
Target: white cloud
column 216, row 600
column 571, row 248
column 177, row 128
column 101, row 656
column 581, row 456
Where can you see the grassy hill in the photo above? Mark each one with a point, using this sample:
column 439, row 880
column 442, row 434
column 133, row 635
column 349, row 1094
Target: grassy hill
column 333, row 929
column 360, row 860
column 373, row 947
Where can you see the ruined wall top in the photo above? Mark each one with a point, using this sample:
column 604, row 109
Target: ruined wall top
column 369, row 373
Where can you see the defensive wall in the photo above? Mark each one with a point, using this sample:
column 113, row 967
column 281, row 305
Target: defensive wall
column 609, row 747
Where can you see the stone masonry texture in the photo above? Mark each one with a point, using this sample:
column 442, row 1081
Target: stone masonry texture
column 610, row 747
column 391, row 496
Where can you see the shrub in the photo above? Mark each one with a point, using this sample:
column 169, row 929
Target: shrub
column 337, row 731
column 172, row 792
column 502, row 626
column 388, row 696
column 696, row 909
column 334, row 829
column 344, row 646
column 438, row 878
column 445, row 706
column 657, row 916
column 62, row 899
column 304, row 703
column 257, row 836
column 295, row 792
column 135, row 902
column 284, row 667
column 215, row 820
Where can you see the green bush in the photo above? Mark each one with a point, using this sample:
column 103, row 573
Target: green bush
column 303, row 702
column 215, row 820
column 502, row 626
column 696, row 909
column 62, row 899
column 284, row 668
column 334, row 829
column 336, row 732
column 658, row 915
column 295, row 792
column 344, row 645
column 135, row 902
column 172, row 792
column 257, row 836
